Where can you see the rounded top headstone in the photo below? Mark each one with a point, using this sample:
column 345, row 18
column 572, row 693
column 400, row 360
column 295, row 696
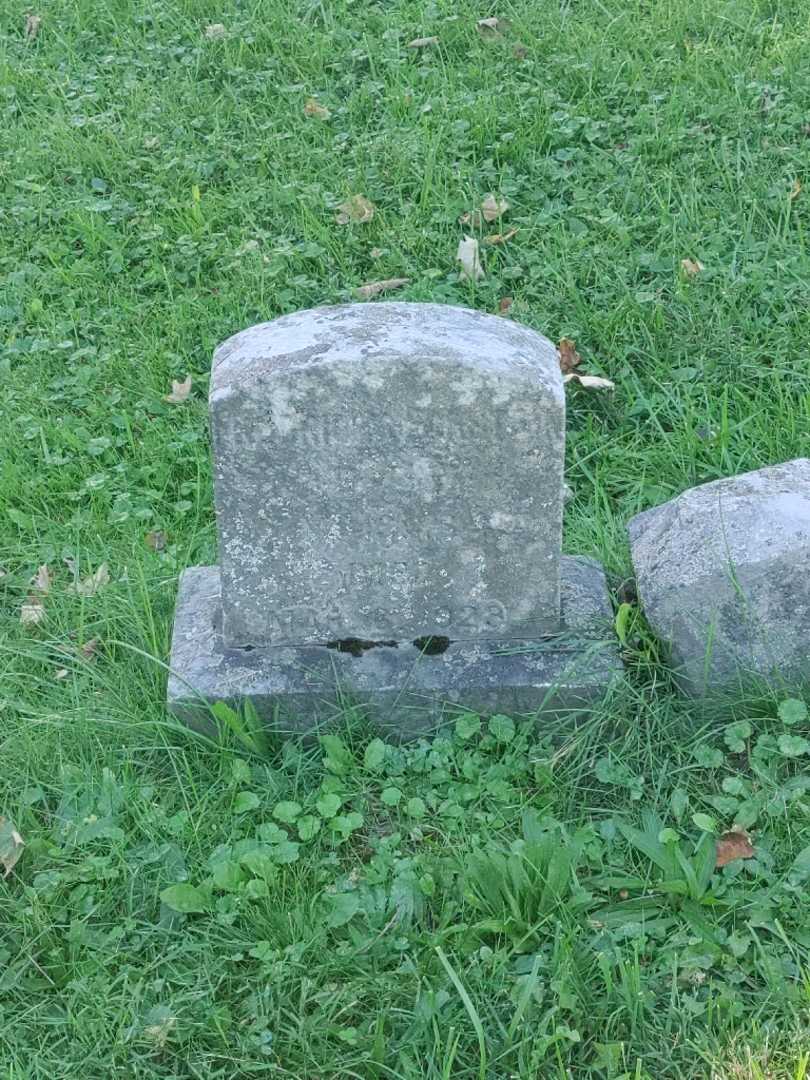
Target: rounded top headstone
column 385, row 331
column 387, row 472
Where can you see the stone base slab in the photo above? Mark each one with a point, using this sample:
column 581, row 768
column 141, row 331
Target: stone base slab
column 404, row 691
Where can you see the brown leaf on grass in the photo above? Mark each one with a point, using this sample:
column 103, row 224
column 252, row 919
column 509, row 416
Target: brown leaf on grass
column 590, row 382
column 520, row 51
column 42, row 580
column 795, row 190
column 733, row 845
column 469, row 258
column 215, row 30
column 32, row 612
column 569, row 357
column 312, row 107
column 500, row 238
column 158, row 1034
column 90, row 585
column 691, row 266
column 492, row 207
column 61, row 673
column 156, row 540
column 11, row 845
column 492, row 27
column 32, row 25
column 374, row 288
column 180, row 391
column 422, row 42
column 358, row 209
column 88, row 650
column 504, row 304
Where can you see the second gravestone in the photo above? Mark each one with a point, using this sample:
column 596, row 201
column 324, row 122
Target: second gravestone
column 389, row 491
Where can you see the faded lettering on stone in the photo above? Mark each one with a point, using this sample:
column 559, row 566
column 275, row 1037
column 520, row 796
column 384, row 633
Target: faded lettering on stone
column 489, row 617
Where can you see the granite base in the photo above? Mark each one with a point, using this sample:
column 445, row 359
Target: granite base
column 404, row 691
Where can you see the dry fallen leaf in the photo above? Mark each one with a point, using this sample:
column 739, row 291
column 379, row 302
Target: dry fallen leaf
column 42, row 580
column 62, row 673
column 504, row 304
column 32, row 611
column 32, row 25
column 357, row 209
column 159, row 1033
column 312, row 107
column 733, row 845
column 569, row 357
column 215, row 30
column 156, row 540
column 248, row 247
column 500, row 238
column 469, row 258
column 520, row 51
column 493, row 207
column 90, row 585
column 88, row 650
column 180, row 391
column 492, row 27
column 374, row 288
column 591, row 382
column 11, row 845
column 691, row 266
column 796, row 190
column 422, row 42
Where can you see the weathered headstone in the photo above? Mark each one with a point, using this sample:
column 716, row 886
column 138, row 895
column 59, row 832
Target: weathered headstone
column 722, row 575
column 386, row 472
column 388, row 488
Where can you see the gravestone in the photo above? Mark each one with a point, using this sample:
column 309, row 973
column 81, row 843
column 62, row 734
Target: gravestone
column 386, row 472
column 388, row 488
column 722, row 575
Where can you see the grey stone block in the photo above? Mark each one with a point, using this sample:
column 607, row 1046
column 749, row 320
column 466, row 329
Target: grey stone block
column 405, row 692
column 722, row 573
column 387, row 471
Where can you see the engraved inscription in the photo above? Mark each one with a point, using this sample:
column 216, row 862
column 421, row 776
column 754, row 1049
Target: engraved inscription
column 356, row 575
column 304, row 619
column 488, row 617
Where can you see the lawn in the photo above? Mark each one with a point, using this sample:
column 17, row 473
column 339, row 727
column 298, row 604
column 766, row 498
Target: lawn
column 508, row 900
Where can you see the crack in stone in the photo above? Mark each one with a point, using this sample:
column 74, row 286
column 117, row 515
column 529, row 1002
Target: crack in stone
column 357, row 646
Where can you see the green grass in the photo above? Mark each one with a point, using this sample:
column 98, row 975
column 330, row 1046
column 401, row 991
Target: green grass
column 499, row 916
